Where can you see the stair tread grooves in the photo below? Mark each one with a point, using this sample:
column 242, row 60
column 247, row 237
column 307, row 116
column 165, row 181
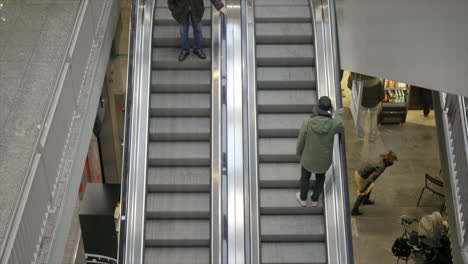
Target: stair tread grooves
column 183, row 231
column 177, row 255
column 292, row 228
column 179, row 179
column 180, row 104
column 188, row 81
column 279, row 175
column 277, row 146
column 304, row 3
column 284, row 33
column 169, row 36
column 179, row 153
column 182, row 125
column 286, row 101
column 167, row 58
column 285, row 74
column 283, row 14
column 285, row 55
column 293, row 253
column 188, row 205
column 286, row 97
column 281, row 121
column 283, row 202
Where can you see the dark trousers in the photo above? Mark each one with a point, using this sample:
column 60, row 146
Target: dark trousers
column 360, row 200
column 426, row 96
column 197, row 33
column 305, row 182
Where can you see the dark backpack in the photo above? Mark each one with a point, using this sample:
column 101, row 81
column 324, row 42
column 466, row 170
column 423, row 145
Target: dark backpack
column 401, row 248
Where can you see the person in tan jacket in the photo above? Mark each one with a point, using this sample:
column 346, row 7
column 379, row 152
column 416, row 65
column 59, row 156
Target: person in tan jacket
column 366, row 176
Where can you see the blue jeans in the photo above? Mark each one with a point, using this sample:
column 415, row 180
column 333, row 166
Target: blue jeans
column 197, row 33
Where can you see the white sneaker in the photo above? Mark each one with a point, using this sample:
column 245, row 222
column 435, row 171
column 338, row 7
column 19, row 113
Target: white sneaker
column 298, row 198
column 315, row 204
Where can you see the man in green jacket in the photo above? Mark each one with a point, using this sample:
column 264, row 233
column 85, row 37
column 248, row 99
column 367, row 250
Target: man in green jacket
column 315, row 147
column 191, row 11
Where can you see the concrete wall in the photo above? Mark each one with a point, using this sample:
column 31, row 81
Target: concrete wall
column 421, row 42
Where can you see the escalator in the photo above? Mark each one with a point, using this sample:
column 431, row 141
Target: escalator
column 178, row 213
column 286, row 90
column 210, row 167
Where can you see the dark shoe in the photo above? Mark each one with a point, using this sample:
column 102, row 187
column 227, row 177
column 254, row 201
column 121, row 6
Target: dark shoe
column 368, row 202
column 199, row 53
column 426, row 112
column 356, row 212
column 183, row 55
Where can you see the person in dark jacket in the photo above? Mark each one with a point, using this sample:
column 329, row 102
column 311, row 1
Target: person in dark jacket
column 366, row 175
column 187, row 12
column 426, row 100
column 315, row 147
column 372, row 94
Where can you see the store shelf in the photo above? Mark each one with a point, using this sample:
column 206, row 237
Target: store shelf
column 393, row 105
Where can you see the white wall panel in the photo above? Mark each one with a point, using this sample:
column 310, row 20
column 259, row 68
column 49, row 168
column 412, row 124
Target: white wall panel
column 421, row 42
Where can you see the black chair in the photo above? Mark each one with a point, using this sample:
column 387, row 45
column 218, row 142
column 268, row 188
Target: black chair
column 430, row 182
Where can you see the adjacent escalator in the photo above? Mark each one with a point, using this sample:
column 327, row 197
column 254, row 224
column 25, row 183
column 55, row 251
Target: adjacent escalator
column 286, row 91
column 179, row 155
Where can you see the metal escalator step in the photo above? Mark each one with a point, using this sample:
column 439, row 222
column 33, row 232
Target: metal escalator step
column 161, row 3
column 179, row 128
column 177, row 233
column 163, row 17
column 286, row 78
column 169, row 36
column 179, row 154
column 188, row 105
column 285, row 55
column 177, row 255
column 280, row 175
column 168, row 59
column 178, row 179
column 188, row 81
column 284, row 101
column 282, row 3
column 277, row 150
column 292, row 228
column 282, row 14
column 294, row 253
column 280, row 125
column 287, row 33
column 283, row 201
column 178, row 205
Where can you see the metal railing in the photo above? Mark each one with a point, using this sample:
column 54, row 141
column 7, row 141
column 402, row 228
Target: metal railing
column 133, row 194
column 218, row 136
column 250, row 84
column 454, row 118
column 337, row 211
column 43, row 208
column 236, row 226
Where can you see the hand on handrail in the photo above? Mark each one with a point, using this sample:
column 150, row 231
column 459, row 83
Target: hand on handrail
column 223, row 11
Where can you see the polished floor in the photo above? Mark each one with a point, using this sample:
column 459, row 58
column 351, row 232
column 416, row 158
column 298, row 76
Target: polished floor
column 397, row 191
column 34, row 35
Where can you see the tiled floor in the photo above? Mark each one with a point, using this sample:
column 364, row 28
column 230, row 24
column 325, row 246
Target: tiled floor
column 398, row 189
column 34, row 35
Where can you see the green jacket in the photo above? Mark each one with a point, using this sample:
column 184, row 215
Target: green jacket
column 315, row 143
column 180, row 8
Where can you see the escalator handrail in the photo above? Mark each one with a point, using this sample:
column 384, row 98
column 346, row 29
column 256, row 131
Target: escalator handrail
column 337, row 211
column 250, row 82
column 133, row 188
column 218, row 136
